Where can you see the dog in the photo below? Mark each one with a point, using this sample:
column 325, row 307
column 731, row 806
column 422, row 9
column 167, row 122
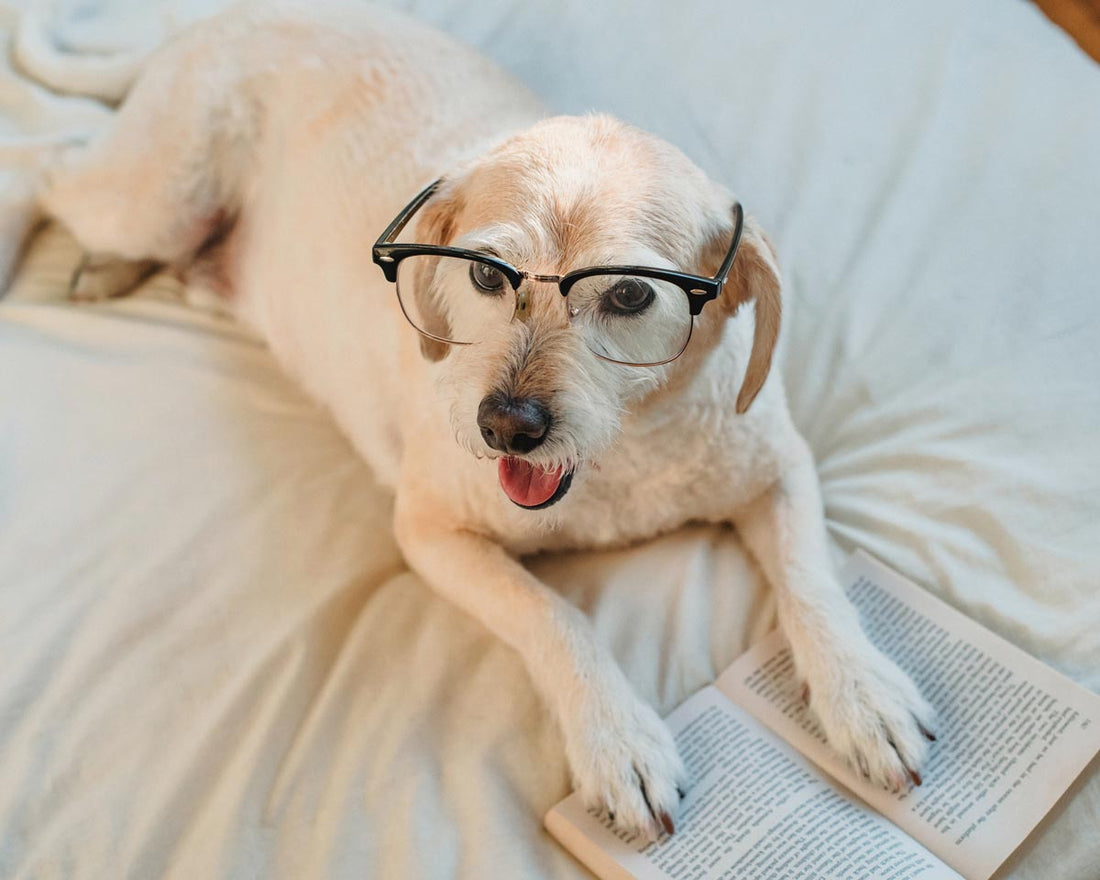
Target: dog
column 262, row 153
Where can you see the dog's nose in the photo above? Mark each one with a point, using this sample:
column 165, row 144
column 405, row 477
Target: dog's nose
column 512, row 424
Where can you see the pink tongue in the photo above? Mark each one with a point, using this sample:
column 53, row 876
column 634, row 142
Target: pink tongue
column 527, row 484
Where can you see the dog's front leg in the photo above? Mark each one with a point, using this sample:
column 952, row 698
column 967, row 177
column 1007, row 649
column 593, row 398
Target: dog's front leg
column 869, row 709
column 621, row 754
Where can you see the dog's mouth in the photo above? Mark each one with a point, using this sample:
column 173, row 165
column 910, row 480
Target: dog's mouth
column 530, row 486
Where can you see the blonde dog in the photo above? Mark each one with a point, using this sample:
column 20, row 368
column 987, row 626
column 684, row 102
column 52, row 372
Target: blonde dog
column 263, row 152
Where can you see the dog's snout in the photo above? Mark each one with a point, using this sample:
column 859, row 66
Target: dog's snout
column 512, row 424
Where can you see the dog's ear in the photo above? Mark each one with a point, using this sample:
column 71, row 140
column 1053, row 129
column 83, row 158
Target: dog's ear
column 439, row 217
column 754, row 277
column 435, row 225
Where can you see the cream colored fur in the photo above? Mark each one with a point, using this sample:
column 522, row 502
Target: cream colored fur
column 299, row 132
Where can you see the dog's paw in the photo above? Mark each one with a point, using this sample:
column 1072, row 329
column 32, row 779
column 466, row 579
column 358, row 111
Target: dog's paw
column 873, row 716
column 624, row 761
column 100, row 278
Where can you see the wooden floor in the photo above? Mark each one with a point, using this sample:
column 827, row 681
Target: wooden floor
column 1079, row 18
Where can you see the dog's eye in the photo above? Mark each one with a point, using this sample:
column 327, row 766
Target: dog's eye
column 486, row 278
column 630, row 296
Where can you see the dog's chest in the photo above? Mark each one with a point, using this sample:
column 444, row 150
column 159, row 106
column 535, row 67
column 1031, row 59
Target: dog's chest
column 699, row 466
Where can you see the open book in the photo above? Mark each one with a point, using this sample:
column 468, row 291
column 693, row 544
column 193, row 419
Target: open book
column 770, row 799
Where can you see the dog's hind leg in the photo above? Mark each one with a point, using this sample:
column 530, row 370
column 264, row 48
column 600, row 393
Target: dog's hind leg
column 165, row 178
column 99, row 278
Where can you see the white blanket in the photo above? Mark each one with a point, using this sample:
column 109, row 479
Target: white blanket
column 213, row 662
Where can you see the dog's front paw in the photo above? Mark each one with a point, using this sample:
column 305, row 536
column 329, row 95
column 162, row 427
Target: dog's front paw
column 624, row 760
column 873, row 715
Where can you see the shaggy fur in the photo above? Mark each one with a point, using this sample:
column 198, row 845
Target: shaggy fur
column 267, row 148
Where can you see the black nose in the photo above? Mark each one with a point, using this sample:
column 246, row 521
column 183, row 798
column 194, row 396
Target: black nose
column 512, row 424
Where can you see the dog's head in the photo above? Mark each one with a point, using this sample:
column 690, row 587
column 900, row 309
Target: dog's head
column 568, row 193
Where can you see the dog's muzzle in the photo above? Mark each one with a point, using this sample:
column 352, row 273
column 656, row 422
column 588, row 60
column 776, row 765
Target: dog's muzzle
column 516, row 426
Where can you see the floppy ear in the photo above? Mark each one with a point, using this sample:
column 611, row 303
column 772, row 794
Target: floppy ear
column 439, row 216
column 755, row 277
column 435, row 225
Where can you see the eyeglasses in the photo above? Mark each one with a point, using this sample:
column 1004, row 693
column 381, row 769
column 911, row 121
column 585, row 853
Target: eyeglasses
column 634, row 315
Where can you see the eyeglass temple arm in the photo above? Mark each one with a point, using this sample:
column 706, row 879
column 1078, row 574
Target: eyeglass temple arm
column 738, row 226
column 402, row 219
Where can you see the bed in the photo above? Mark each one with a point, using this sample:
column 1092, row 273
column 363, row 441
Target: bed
column 213, row 660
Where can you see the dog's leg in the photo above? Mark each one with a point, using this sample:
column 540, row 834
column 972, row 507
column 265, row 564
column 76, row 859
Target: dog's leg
column 869, row 709
column 98, row 279
column 161, row 181
column 621, row 754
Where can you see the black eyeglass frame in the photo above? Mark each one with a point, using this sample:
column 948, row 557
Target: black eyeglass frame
column 699, row 289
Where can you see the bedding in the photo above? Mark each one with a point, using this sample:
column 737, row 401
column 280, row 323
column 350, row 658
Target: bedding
column 213, row 660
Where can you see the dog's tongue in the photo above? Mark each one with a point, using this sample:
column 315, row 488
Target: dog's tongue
column 526, row 484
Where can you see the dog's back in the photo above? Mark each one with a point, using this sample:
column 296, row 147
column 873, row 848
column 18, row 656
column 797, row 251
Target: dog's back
column 262, row 151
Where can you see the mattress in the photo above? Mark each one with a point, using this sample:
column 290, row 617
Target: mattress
column 215, row 662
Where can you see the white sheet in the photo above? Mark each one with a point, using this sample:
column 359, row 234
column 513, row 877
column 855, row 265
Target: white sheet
column 213, row 661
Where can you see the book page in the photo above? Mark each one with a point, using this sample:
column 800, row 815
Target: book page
column 1012, row 733
column 756, row 808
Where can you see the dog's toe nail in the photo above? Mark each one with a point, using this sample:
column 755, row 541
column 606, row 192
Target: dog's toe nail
column 916, row 777
column 928, row 735
column 681, row 792
column 864, row 769
column 666, row 820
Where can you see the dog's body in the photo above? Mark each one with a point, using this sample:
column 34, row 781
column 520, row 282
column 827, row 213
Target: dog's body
column 265, row 150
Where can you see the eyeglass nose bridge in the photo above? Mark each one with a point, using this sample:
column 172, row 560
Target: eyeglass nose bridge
column 523, row 297
column 532, row 276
